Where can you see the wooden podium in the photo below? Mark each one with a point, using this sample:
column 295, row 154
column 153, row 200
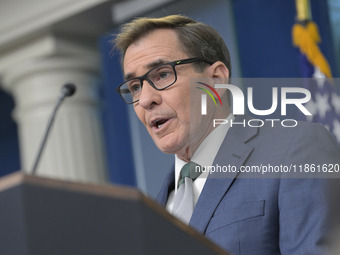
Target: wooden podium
column 40, row 216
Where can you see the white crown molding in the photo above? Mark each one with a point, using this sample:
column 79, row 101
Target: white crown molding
column 39, row 28
column 44, row 45
column 20, row 19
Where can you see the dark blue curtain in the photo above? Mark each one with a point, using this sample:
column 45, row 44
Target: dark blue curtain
column 9, row 146
column 116, row 121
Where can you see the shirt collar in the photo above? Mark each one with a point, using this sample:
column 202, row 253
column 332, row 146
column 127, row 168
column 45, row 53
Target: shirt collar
column 207, row 151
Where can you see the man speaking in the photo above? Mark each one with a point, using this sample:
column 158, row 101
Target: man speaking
column 162, row 60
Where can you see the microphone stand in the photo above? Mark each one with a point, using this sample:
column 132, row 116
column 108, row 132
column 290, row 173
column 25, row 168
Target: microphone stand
column 67, row 90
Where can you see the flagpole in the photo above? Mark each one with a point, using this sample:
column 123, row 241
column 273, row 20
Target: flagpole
column 303, row 12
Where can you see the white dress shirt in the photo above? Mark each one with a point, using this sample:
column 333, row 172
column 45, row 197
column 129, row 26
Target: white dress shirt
column 204, row 156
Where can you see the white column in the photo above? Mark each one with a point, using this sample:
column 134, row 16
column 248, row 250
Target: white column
column 75, row 149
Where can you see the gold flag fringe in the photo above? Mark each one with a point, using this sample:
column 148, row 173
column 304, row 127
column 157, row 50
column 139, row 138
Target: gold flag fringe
column 306, row 39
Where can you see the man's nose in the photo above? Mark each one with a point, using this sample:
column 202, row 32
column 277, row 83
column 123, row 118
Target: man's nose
column 149, row 96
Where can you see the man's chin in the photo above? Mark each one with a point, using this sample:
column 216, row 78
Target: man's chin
column 169, row 148
column 181, row 151
column 166, row 149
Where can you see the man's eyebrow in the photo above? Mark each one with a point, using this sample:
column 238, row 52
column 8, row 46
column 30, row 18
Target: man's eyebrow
column 155, row 63
column 148, row 66
column 129, row 76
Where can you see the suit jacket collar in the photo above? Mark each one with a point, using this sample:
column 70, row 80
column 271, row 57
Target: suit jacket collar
column 233, row 151
column 167, row 187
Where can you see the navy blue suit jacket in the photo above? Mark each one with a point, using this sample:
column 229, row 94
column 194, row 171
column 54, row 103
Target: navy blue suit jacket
column 266, row 215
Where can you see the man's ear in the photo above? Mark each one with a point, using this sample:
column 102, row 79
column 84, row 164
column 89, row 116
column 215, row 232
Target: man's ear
column 220, row 75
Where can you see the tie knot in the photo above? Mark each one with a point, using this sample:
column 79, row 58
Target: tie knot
column 189, row 170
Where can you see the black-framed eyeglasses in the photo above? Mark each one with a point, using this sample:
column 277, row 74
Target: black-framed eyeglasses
column 159, row 77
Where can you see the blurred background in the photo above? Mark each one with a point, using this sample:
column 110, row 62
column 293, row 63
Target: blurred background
column 96, row 137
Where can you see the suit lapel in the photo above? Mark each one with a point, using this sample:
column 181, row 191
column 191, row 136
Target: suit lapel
column 233, row 151
column 167, row 187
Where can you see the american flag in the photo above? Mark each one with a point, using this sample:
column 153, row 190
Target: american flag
column 325, row 98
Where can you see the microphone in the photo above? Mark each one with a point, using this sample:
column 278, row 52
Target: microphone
column 66, row 91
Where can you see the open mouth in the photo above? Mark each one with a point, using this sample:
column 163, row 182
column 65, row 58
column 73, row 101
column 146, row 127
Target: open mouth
column 159, row 123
